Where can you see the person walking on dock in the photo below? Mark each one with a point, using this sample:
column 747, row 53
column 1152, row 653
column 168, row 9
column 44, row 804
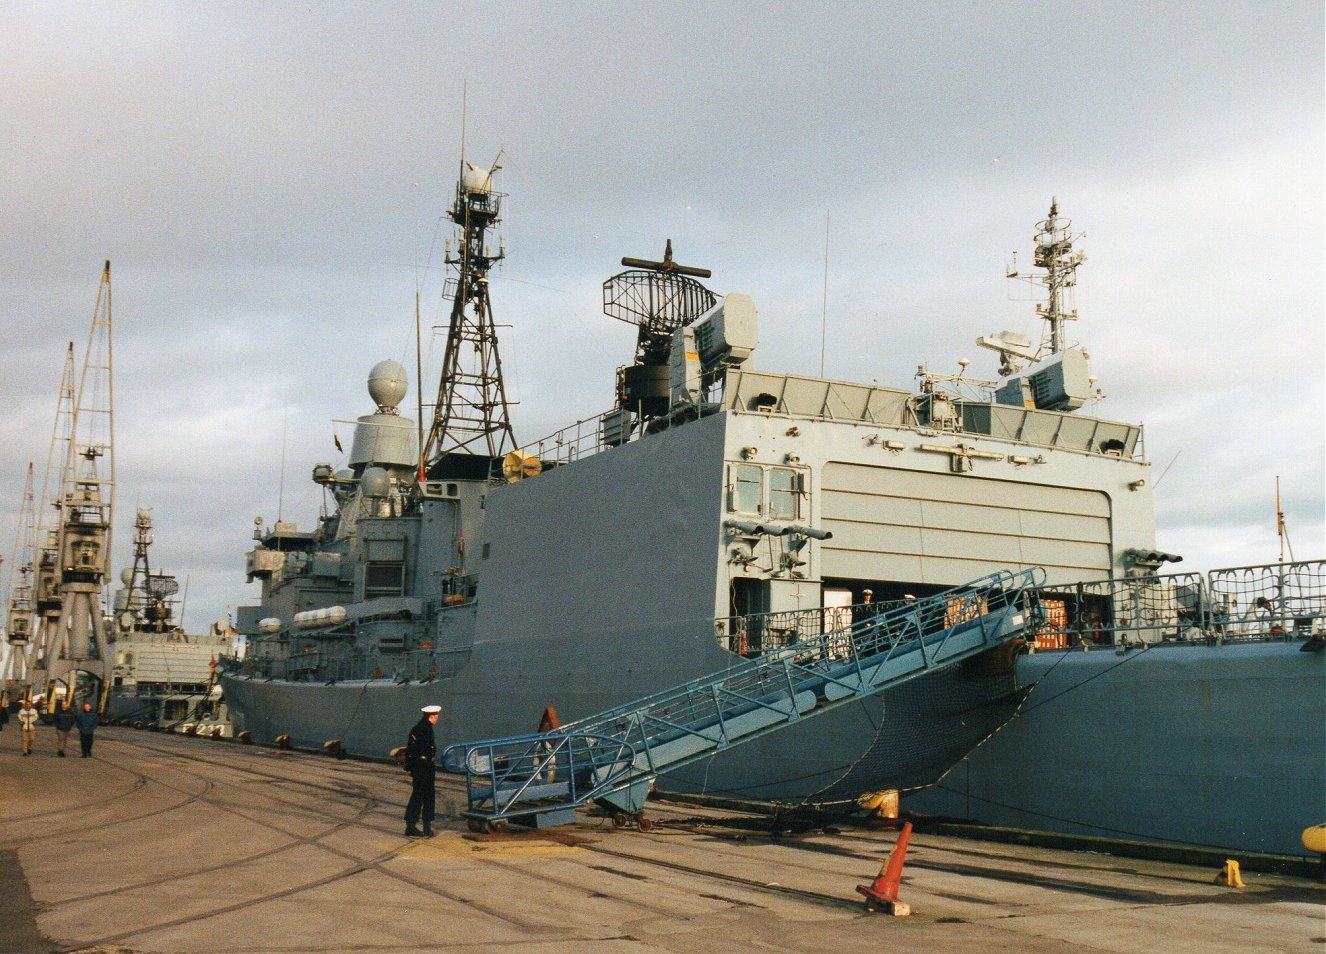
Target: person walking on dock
column 27, row 725
column 420, row 753
column 64, row 721
column 87, row 724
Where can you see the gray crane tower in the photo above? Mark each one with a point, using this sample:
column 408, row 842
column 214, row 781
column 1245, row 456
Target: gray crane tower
column 86, row 506
column 21, row 617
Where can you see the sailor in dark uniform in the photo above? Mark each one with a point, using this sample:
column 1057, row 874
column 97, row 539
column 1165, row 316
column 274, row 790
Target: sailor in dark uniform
column 419, row 755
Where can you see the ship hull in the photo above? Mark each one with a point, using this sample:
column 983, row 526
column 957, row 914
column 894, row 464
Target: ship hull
column 1219, row 746
column 904, row 737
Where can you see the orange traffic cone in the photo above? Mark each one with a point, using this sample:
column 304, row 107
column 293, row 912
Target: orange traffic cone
column 882, row 893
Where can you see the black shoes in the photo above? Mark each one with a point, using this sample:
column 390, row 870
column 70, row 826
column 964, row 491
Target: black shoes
column 60, row 753
column 428, row 832
column 412, row 832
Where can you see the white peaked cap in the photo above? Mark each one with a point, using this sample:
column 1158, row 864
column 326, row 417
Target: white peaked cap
column 431, row 710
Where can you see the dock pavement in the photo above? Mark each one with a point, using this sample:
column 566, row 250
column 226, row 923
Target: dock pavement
column 164, row 843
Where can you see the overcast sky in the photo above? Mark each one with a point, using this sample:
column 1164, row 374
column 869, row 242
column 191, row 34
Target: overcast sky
column 267, row 181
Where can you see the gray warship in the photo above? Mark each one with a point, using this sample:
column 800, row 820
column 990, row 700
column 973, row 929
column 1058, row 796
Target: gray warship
column 718, row 512
column 162, row 677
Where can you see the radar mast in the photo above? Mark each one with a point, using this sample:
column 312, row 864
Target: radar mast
column 472, row 415
column 145, row 604
column 1055, row 254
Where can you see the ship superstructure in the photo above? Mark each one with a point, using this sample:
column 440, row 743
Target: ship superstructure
column 715, row 512
column 162, row 676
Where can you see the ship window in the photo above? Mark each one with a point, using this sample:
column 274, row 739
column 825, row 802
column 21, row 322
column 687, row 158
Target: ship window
column 747, row 488
column 453, row 490
column 383, row 579
column 784, row 493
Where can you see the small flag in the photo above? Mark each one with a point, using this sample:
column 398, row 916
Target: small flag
column 338, row 442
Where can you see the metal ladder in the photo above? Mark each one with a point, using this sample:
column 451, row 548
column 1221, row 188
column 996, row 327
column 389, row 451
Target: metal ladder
column 613, row 757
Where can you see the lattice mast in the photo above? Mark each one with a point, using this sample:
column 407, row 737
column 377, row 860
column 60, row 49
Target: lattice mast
column 21, row 618
column 87, row 504
column 472, row 414
column 145, row 603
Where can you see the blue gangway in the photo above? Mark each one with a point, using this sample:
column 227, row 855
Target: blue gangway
column 613, row 757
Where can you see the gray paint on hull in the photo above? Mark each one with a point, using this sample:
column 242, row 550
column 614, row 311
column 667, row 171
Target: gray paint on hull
column 1222, row 746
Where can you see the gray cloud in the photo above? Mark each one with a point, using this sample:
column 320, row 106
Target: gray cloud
column 267, row 181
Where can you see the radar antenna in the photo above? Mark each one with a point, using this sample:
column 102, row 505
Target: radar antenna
column 658, row 298
column 472, row 414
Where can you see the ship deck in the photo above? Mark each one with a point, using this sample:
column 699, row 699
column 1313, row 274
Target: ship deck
column 168, row 843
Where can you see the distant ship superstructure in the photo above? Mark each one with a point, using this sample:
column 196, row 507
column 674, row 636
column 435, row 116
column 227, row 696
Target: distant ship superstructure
column 162, row 676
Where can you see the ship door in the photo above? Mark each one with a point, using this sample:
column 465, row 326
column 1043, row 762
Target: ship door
column 750, row 601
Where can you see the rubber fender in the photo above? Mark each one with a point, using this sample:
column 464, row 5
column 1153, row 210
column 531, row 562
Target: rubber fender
column 1314, row 839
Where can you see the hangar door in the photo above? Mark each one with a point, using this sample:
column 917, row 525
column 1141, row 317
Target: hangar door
column 910, row 526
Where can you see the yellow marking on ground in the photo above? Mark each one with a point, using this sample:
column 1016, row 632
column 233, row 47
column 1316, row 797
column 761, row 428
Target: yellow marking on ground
column 455, row 845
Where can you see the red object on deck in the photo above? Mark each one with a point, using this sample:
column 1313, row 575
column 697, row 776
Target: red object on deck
column 884, row 889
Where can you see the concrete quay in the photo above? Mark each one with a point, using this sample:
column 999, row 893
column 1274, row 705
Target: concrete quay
column 162, row 843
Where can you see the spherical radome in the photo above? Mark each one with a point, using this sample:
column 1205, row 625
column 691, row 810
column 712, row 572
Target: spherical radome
column 387, row 384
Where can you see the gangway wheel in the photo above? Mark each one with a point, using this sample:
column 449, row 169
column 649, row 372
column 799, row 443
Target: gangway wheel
column 486, row 826
column 623, row 820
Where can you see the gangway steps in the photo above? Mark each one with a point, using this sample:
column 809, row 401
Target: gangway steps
column 612, row 757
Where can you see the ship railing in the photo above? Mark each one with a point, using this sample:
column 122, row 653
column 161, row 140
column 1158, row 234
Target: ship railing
column 1240, row 604
column 571, row 443
column 754, row 634
column 585, row 438
column 1278, row 599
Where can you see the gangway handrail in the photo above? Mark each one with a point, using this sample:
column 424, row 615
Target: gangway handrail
column 624, row 748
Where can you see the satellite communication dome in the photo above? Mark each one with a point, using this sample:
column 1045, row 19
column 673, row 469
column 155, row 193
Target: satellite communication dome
column 478, row 180
column 387, row 384
column 375, row 482
column 127, row 575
